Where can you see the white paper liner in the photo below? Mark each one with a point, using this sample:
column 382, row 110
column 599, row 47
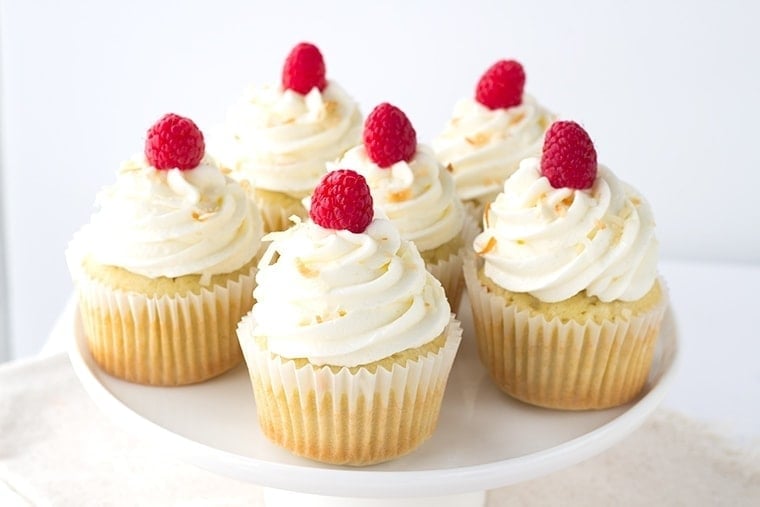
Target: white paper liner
column 477, row 206
column 275, row 216
column 569, row 365
column 165, row 340
column 475, row 211
column 449, row 271
column 348, row 418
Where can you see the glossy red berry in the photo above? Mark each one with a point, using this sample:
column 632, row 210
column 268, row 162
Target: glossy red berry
column 174, row 142
column 569, row 156
column 342, row 201
column 304, row 69
column 501, row 86
column 389, row 136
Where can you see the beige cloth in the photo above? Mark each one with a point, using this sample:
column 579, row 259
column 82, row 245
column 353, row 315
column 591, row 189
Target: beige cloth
column 56, row 448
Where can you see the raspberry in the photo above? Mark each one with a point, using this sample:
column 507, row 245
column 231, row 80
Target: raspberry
column 569, row 157
column 342, row 201
column 501, row 86
column 304, row 69
column 389, row 136
column 174, row 142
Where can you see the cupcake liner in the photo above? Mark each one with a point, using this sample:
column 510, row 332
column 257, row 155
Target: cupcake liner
column 335, row 416
column 276, row 213
column 449, row 271
column 564, row 365
column 475, row 210
column 164, row 340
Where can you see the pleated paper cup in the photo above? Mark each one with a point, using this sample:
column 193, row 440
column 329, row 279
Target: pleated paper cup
column 276, row 209
column 165, row 340
column 476, row 207
column 348, row 416
column 449, row 271
column 564, row 365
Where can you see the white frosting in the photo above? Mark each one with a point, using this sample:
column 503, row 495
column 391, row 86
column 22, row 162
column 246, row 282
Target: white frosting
column 417, row 196
column 555, row 242
column 484, row 146
column 345, row 299
column 280, row 140
column 172, row 223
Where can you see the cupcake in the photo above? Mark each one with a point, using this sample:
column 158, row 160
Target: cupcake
column 351, row 340
column 565, row 295
column 416, row 193
column 487, row 137
column 166, row 267
column 277, row 139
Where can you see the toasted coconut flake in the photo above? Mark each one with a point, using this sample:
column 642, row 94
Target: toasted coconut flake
column 200, row 217
column 400, row 195
column 478, row 139
column 305, row 270
column 489, row 246
column 517, row 118
column 561, row 207
column 486, row 210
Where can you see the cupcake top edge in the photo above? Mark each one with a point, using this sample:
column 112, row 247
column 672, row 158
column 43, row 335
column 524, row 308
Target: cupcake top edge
column 172, row 212
column 279, row 136
column 565, row 224
column 345, row 298
column 489, row 133
column 408, row 184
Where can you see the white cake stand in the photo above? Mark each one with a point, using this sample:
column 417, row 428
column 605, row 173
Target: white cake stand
column 484, row 439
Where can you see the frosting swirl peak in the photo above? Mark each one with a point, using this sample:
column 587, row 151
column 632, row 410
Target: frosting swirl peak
column 173, row 222
column 555, row 242
column 484, row 146
column 280, row 140
column 351, row 298
column 417, row 196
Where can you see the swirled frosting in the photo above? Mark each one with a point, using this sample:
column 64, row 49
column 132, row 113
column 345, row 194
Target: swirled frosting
column 555, row 242
column 417, row 196
column 280, row 140
column 345, row 299
column 485, row 146
column 173, row 223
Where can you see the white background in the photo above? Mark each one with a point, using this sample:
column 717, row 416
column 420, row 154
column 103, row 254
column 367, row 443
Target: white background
column 669, row 93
